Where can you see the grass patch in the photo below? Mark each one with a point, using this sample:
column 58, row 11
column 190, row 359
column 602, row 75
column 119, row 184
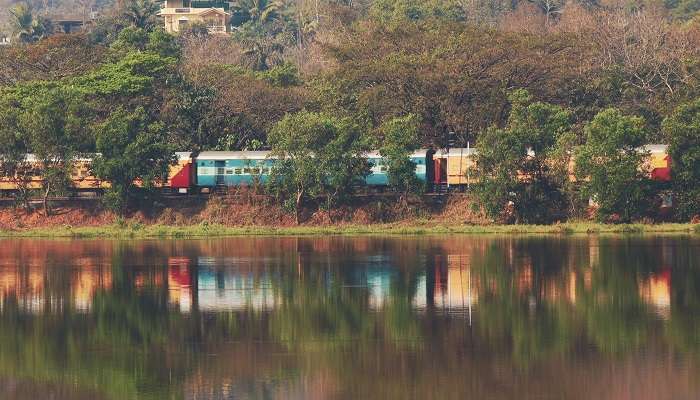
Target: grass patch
column 135, row 230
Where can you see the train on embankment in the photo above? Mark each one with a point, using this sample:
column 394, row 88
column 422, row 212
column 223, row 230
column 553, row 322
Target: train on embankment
column 211, row 171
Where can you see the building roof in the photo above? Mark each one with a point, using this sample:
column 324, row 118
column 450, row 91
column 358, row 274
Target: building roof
column 185, row 11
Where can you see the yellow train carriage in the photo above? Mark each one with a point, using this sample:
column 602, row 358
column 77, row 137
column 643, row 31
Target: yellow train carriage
column 457, row 166
column 83, row 180
column 30, row 176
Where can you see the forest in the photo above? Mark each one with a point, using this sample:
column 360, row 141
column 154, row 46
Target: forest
column 591, row 81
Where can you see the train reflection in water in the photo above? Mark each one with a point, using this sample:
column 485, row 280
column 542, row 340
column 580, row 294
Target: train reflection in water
column 450, row 283
column 342, row 317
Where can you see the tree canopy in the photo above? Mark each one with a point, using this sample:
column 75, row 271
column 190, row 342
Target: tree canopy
column 521, row 165
column 316, row 155
column 611, row 166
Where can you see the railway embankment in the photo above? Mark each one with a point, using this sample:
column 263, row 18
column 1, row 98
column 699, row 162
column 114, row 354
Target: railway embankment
column 253, row 215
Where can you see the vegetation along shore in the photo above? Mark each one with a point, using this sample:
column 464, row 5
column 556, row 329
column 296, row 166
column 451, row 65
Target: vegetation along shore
column 418, row 228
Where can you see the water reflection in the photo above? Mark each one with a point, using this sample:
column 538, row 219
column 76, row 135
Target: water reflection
column 368, row 317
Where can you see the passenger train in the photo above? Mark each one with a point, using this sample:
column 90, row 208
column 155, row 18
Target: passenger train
column 209, row 170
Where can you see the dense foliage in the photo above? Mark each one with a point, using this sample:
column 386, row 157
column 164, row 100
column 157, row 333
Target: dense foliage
column 317, row 154
column 523, row 174
column 611, row 166
column 402, row 74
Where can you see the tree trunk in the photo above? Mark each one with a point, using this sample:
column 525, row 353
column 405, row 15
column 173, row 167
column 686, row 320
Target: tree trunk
column 297, row 208
column 46, row 200
column 329, row 201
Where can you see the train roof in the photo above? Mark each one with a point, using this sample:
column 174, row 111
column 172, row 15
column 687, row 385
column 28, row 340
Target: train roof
column 455, row 152
column 656, row 148
column 30, row 157
column 234, row 155
column 420, row 153
column 260, row 155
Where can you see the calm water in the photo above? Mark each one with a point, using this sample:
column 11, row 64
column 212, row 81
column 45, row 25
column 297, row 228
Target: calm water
column 351, row 318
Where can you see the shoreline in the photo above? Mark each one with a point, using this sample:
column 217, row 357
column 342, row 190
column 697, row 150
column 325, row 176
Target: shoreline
column 136, row 230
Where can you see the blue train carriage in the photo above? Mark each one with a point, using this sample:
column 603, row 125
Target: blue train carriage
column 231, row 168
column 378, row 175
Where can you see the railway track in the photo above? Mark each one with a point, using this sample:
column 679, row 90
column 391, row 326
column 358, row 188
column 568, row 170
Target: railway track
column 88, row 199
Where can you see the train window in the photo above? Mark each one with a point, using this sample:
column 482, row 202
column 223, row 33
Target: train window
column 238, row 171
column 382, row 169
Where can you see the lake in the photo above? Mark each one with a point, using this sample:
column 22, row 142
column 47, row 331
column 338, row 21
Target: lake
column 370, row 317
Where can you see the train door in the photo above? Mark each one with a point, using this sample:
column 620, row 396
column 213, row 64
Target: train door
column 429, row 169
column 219, row 172
column 440, row 170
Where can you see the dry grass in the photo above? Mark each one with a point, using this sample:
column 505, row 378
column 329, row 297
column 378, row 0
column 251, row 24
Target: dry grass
column 248, row 213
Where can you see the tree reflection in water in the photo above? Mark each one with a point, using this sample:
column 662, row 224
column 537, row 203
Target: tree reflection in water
column 366, row 317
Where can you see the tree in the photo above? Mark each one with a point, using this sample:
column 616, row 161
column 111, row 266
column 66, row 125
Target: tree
column 55, row 129
column 260, row 51
column 610, row 166
column 13, row 149
column 27, row 27
column 316, row 154
column 134, row 156
column 682, row 132
column 255, row 11
column 521, row 165
column 342, row 162
column 399, row 139
column 139, row 13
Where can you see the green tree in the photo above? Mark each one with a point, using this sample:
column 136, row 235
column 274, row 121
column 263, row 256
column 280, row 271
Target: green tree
column 13, row 149
column 395, row 12
column 54, row 127
column 135, row 156
column 610, row 166
column 398, row 140
column 255, row 11
column 26, row 26
column 317, row 155
column 261, row 51
column 520, row 166
column 682, row 132
column 138, row 39
column 139, row 13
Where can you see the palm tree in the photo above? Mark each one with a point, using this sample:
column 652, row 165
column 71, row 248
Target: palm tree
column 255, row 11
column 140, row 13
column 261, row 52
column 26, row 27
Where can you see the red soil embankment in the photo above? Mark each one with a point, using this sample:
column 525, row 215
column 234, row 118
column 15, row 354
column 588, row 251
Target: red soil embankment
column 253, row 211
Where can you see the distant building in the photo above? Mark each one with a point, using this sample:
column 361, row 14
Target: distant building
column 67, row 25
column 72, row 23
column 179, row 14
